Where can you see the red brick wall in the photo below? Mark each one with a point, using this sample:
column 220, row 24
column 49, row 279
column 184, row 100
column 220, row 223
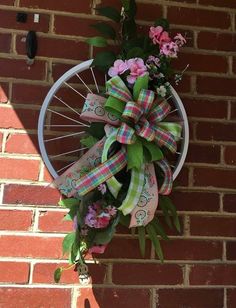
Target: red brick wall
column 200, row 269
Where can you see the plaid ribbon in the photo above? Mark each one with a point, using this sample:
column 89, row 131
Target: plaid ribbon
column 134, row 191
column 166, row 187
column 141, row 114
column 102, row 173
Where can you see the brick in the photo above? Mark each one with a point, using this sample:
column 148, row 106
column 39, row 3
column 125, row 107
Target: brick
column 182, row 179
column 22, row 144
column 229, row 202
column 202, row 63
column 192, row 250
column 204, row 108
column 149, row 12
column 233, row 110
column 214, row 178
column 220, row 3
column 216, row 86
column 1, row 136
column 18, row 118
column 14, row 272
column 43, row 273
column 194, row 298
column 125, row 249
column 147, row 274
column 34, row 297
column 216, row 41
column 30, row 195
column 57, row 48
column 4, row 92
column 103, row 297
column 71, row 6
column 7, row 2
column 15, row 68
column 231, row 250
column 199, row 153
column 216, row 131
column 28, row 93
column 196, row 201
column 15, row 220
column 5, row 42
column 213, row 275
column 230, row 155
column 68, row 25
column 30, row 247
column 53, row 222
column 19, row 169
column 198, row 17
column 185, row 85
column 231, row 298
column 8, row 20
column 213, row 226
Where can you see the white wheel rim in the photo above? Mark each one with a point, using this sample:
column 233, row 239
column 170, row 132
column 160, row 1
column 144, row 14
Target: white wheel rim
column 79, row 68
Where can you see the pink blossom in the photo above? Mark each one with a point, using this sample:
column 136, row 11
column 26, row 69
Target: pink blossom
column 97, row 249
column 179, row 39
column 97, row 217
column 170, row 50
column 164, row 38
column 137, row 69
column 153, row 60
column 111, row 210
column 154, row 34
column 102, row 188
column 118, row 68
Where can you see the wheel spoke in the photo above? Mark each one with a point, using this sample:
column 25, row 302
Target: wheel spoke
column 84, row 83
column 68, row 85
column 58, row 98
column 67, row 166
column 66, row 117
column 70, row 152
column 94, row 78
column 64, row 136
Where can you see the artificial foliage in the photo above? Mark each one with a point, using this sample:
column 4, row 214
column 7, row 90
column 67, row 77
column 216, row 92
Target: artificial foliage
column 126, row 174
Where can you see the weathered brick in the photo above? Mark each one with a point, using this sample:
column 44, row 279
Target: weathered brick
column 15, row 220
column 216, row 131
column 216, row 41
column 28, row 93
column 220, row 3
column 19, row 169
column 5, row 42
column 22, row 143
column 230, row 155
column 14, row 272
column 229, row 202
column 51, row 221
column 199, row 153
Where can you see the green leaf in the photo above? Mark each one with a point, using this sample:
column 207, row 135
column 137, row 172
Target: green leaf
column 124, row 220
column 97, row 41
column 167, row 203
column 104, row 60
column 68, row 242
column 105, row 29
column 164, row 23
column 57, row 274
column 142, row 240
column 89, row 141
column 166, row 214
column 136, row 52
column 110, row 13
column 140, row 83
column 155, row 241
column 69, row 202
column 154, row 151
column 96, row 129
column 135, row 155
column 159, row 229
column 72, row 213
column 129, row 29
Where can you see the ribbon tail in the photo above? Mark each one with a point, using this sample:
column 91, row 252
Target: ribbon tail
column 166, row 187
column 174, row 128
column 145, row 210
column 102, row 173
column 134, row 191
column 113, row 185
column 165, row 138
column 66, row 182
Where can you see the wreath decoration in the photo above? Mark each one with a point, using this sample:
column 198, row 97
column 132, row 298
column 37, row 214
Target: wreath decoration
column 125, row 175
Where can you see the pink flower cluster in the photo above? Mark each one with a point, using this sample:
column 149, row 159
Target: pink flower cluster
column 168, row 47
column 135, row 66
column 98, row 217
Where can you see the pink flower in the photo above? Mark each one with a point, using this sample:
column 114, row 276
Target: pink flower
column 154, row 34
column 164, row 38
column 153, row 60
column 170, row 50
column 137, row 68
column 102, row 188
column 111, row 210
column 118, row 68
column 97, row 249
column 180, row 40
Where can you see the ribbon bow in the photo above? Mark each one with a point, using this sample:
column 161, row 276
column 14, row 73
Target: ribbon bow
column 135, row 122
